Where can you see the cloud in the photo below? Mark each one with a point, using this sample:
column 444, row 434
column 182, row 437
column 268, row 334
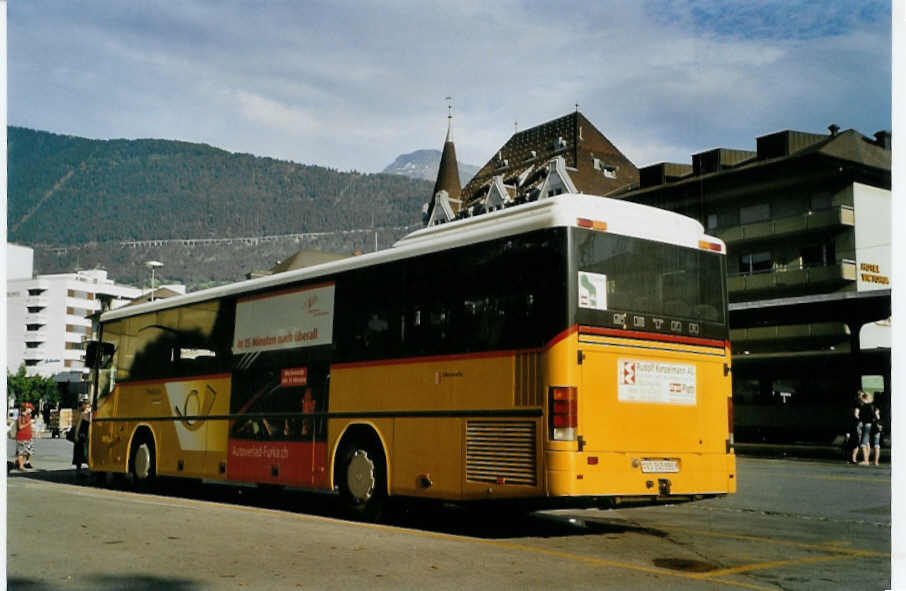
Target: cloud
column 353, row 84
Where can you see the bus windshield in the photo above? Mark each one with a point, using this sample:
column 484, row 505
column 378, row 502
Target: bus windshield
column 648, row 280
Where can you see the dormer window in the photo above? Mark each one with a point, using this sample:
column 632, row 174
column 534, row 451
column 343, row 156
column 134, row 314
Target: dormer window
column 609, row 170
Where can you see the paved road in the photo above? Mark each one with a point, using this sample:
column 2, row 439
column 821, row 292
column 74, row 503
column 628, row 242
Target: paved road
column 794, row 525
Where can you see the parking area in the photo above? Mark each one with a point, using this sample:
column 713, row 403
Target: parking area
column 795, row 525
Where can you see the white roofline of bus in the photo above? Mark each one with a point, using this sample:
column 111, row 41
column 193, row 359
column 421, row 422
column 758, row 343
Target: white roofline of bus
column 622, row 217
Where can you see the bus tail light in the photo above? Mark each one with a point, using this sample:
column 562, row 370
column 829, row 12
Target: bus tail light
column 563, row 413
column 707, row 245
column 730, row 441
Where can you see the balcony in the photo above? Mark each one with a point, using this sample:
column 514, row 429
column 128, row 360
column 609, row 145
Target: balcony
column 791, row 278
column 39, row 318
column 773, row 337
column 32, row 354
column 35, row 336
column 839, row 216
column 37, row 301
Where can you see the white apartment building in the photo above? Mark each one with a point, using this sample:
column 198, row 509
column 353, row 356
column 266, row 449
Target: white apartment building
column 48, row 317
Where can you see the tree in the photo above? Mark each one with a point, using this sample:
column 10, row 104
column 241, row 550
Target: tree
column 32, row 389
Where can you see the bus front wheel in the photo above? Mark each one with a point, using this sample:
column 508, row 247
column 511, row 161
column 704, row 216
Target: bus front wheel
column 363, row 488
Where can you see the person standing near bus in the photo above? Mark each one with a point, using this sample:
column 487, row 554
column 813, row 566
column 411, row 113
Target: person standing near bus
column 876, row 429
column 867, row 414
column 24, row 444
column 80, row 441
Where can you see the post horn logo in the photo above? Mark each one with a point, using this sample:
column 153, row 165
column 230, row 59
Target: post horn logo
column 194, row 420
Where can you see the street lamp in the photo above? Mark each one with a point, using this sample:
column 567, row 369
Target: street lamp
column 153, row 265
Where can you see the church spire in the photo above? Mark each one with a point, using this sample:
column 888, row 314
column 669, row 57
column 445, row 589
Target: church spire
column 449, row 120
column 448, row 171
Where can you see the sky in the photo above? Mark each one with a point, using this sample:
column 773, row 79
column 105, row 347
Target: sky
column 352, row 85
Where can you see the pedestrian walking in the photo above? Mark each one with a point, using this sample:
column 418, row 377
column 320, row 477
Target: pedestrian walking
column 80, row 438
column 24, row 443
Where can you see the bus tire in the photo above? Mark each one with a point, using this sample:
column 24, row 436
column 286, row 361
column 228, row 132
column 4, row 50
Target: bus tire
column 142, row 463
column 363, row 480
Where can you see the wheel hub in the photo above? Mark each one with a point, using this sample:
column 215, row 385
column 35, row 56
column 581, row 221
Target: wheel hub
column 360, row 477
column 142, row 461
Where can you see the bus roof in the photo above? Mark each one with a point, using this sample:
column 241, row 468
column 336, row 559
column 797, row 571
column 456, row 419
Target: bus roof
column 616, row 216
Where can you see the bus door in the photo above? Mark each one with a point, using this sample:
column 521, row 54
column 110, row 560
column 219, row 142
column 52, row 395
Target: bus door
column 277, row 434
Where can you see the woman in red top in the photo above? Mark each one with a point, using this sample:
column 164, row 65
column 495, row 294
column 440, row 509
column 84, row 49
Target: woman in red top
column 24, row 447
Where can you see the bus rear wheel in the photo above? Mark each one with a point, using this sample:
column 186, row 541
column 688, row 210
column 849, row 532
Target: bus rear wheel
column 142, row 464
column 363, row 488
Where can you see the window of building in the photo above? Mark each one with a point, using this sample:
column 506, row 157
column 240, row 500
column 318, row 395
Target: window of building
column 712, row 221
column 817, row 255
column 755, row 213
column 821, row 201
column 608, row 170
column 755, row 262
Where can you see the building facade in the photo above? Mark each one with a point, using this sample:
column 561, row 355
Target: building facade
column 48, row 320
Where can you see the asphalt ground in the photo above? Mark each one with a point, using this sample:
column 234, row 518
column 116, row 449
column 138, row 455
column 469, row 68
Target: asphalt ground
column 794, row 525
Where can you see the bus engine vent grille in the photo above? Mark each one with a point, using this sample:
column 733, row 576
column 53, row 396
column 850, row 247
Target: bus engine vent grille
column 527, row 380
column 502, row 452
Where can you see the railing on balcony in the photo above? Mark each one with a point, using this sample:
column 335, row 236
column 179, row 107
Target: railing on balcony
column 840, row 215
column 35, row 336
column 794, row 275
column 809, row 331
column 39, row 353
column 37, row 301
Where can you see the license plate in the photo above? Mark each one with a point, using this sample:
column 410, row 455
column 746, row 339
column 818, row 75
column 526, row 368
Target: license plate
column 659, row 466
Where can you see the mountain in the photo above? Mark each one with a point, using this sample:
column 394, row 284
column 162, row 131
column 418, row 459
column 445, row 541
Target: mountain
column 217, row 215
column 423, row 164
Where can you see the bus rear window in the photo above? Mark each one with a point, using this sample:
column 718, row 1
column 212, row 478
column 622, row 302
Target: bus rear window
column 651, row 278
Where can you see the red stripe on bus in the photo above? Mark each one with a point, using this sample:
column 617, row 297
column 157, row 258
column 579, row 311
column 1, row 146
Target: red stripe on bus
column 563, row 335
column 651, row 336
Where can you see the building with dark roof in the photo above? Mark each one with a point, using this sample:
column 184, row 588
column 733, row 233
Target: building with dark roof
column 566, row 155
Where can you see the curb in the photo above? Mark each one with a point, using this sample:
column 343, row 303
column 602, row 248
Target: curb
column 821, row 452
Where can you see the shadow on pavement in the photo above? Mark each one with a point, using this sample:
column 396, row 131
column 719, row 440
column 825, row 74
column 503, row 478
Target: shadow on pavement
column 106, row 583
column 489, row 521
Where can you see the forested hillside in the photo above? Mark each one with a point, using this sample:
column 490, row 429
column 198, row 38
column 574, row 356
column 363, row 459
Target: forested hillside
column 75, row 200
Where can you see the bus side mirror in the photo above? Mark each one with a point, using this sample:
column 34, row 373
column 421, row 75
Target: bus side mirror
column 99, row 355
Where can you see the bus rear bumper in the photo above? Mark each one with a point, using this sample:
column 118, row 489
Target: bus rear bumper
column 624, row 473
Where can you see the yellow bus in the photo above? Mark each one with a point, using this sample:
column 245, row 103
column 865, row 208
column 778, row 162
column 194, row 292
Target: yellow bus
column 570, row 350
